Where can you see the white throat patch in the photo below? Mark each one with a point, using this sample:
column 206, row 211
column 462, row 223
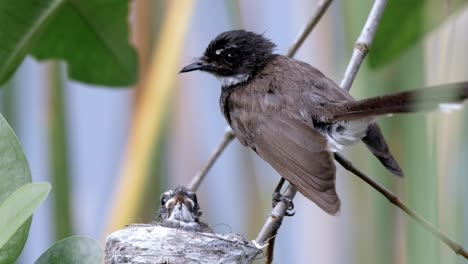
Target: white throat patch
column 227, row 81
column 181, row 213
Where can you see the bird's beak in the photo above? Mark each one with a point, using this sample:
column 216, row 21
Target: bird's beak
column 198, row 65
column 180, row 199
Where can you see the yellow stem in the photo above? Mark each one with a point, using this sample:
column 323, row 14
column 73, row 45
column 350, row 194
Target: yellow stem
column 149, row 113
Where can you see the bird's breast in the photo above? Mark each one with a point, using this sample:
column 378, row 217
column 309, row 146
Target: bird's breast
column 243, row 108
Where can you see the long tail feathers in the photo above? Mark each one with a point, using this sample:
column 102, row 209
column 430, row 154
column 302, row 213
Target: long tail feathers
column 405, row 102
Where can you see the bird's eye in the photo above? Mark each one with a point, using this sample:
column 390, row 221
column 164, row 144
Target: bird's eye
column 230, row 57
column 163, row 199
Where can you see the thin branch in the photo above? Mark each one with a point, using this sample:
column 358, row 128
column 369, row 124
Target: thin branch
column 457, row 248
column 229, row 135
column 198, row 178
column 273, row 221
column 322, row 6
column 363, row 43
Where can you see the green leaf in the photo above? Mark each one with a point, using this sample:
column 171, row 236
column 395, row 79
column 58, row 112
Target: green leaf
column 73, row 250
column 92, row 36
column 21, row 22
column 14, row 173
column 19, row 206
column 406, row 22
column 12, row 249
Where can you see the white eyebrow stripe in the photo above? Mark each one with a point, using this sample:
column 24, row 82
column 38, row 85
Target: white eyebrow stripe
column 218, row 51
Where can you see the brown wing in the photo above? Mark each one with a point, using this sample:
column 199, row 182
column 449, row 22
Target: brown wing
column 299, row 153
column 321, row 98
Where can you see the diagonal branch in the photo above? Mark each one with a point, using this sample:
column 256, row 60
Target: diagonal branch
column 363, row 43
column 322, row 6
column 273, row 222
column 198, row 178
column 457, row 248
column 364, row 40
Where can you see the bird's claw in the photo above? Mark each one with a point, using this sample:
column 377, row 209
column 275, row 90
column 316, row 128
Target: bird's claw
column 277, row 197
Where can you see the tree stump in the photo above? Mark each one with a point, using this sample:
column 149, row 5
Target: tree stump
column 157, row 244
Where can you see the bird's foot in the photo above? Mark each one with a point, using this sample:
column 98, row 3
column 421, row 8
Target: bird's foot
column 277, row 197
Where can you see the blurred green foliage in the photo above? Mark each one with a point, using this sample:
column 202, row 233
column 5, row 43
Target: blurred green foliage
column 19, row 206
column 91, row 36
column 404, row 23
column 14, row 173
column 73, row 250
column 21, row 22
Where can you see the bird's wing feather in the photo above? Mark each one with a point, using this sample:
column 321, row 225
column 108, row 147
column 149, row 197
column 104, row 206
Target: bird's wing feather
column 299, row 153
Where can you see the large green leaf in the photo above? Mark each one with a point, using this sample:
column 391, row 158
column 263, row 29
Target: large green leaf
column 73, row 250
column 404, row 23
column 92, row 36
column 14, row 173
column 21, row 22
column 19, row 207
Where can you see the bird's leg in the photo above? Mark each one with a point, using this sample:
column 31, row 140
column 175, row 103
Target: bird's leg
column 277, row 197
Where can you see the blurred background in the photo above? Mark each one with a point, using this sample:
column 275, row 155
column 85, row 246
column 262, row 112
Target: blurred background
column 109, row 153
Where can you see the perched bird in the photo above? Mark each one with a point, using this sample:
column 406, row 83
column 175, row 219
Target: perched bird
column 180, row 209
column 294, row 117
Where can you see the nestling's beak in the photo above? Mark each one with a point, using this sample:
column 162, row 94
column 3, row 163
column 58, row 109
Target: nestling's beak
column 180, row 199
column 198, row 65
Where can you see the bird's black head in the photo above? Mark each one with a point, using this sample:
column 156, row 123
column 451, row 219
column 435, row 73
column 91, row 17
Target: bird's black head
column 234, row 53
column 180, row 205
